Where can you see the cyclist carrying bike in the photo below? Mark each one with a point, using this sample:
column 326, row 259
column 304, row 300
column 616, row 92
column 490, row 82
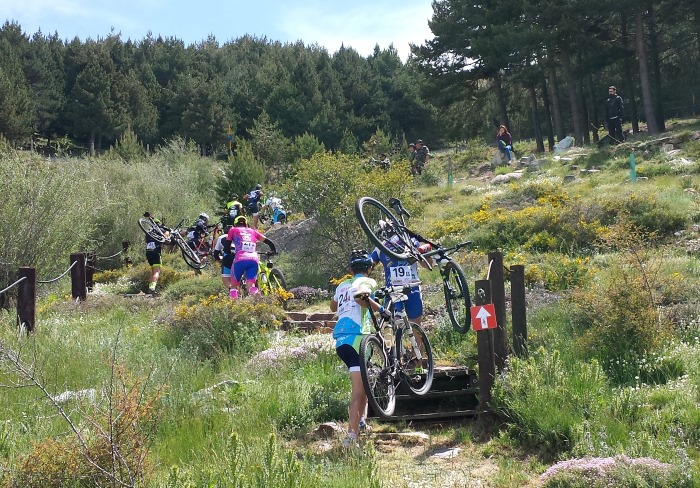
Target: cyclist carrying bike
column 401, row 273
column 198, row 230
column 254, row 198
column 223, row 251
column 245, row 261
column 153, row 254
column 350, row 301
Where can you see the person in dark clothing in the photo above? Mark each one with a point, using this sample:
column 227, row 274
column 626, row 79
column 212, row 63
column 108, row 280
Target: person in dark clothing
column 613, row 114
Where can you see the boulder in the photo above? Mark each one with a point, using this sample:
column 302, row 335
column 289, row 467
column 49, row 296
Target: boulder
column 506, row 178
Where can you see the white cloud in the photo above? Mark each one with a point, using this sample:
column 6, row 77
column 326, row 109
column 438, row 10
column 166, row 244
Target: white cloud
column 359, row 26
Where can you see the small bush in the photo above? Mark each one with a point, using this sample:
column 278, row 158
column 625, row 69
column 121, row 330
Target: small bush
column 198, row 286
column 430, row 176
column 546, row 398
column 141, row 274
column 217, row 325
column 620, row 472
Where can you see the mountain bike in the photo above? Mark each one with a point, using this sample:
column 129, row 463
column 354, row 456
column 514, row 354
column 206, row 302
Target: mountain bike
column 271, row 281
column 397, row 354
column 387, row 230
column 150, row 227
column 205, row 247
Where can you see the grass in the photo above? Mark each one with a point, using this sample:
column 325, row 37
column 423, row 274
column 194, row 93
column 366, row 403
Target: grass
column 565, row 401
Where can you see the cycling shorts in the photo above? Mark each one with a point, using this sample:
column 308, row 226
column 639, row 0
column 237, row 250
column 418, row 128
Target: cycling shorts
column 254, row 208
column 350, row 356
column 247, row 267
column 226, row 265
column 414, row 304
column 153, row 258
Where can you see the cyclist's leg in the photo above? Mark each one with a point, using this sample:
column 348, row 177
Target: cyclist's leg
column 252, row 277
column 154, row 259
column 358, row 399
column 239, row 268
column 226, row 265
column 414, row 306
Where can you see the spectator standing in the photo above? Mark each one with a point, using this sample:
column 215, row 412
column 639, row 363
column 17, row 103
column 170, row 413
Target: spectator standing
column 613, row 115
column 421, row 156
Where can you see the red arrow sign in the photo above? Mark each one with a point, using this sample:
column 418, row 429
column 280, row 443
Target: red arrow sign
column 483, row 317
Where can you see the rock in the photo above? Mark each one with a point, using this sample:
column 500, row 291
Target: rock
column 589, row 171
column 506, row 178
column 568, row 178
column 89, row 394
column 484, row 168
column 405, row 437
column 691, row 191
column 695, row 136
column 446, row 453
column 667, row 148
column 327, row 429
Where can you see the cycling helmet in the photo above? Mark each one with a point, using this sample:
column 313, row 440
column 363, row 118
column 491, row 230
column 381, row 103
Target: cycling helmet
column 258, row 186
column 239, row 219
column 359, row 259
column 204, row 216
column 234, row 196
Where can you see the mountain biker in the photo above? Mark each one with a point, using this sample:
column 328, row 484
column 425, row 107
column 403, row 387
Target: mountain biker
column 350, row 301
column 198, row 230
column 253, row 198
column 224, row 251
column 153, row 254
column 401, row 273
column 274, row 203
column 234, row 208
column 245, row 261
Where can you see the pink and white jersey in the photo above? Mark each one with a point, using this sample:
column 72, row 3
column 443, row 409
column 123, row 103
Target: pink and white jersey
column 245, row 238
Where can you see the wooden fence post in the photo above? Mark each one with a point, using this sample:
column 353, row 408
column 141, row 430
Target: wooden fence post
column 486, row 356
column 518, row 315
column 77, row 275
column 125, row 248
column 90, row 270
column 498, row 297
column 26, row 299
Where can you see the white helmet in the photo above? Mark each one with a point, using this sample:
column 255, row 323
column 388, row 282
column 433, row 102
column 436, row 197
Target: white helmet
column 204, row 216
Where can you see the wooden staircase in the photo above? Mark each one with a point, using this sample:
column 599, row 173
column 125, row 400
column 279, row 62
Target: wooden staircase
column 453, row 393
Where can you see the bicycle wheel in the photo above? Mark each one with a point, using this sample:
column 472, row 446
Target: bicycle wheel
column 190, row 256
column 370, row 212
column 151, row 229
column 456, row 296
column 376, row 377
column 417, row 374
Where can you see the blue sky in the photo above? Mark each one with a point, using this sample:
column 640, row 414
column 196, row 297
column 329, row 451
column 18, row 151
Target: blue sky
column 360, row 23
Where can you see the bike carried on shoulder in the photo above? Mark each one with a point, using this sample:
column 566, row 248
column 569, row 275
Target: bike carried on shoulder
column 387, row 230
column 191, row 257
column 397, row 354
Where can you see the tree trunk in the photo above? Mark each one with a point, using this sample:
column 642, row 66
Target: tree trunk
column 547, row 113
column 656, row 69
column 652, row 128
column 502, row 105
column 573, row 98
column 535, row 118
column 556, row 104
column 627, row 71
column 697, row 27
column 585, row 113
column 592, row 111
column 92, row 142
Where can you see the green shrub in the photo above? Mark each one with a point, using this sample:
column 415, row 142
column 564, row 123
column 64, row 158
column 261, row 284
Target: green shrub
column 141, row 274
column 218, row 325
column 546, row 398
column 646, row 210
column 430, row 176
column 197, row 286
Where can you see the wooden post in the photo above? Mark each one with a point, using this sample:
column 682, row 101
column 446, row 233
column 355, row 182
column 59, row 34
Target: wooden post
column 498, row 298
column 26, row 299
column 486, row 357
column 125, row 248
column 77, row 275
column 517, row 301
column 90, row 270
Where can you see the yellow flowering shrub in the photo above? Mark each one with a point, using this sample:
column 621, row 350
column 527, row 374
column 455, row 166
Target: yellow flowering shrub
column 217, row 324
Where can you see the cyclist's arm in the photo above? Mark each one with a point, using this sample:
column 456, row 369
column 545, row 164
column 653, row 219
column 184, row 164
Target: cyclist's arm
column 334, row 305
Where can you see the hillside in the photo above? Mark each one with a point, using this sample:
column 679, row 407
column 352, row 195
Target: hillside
column 189, row 389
